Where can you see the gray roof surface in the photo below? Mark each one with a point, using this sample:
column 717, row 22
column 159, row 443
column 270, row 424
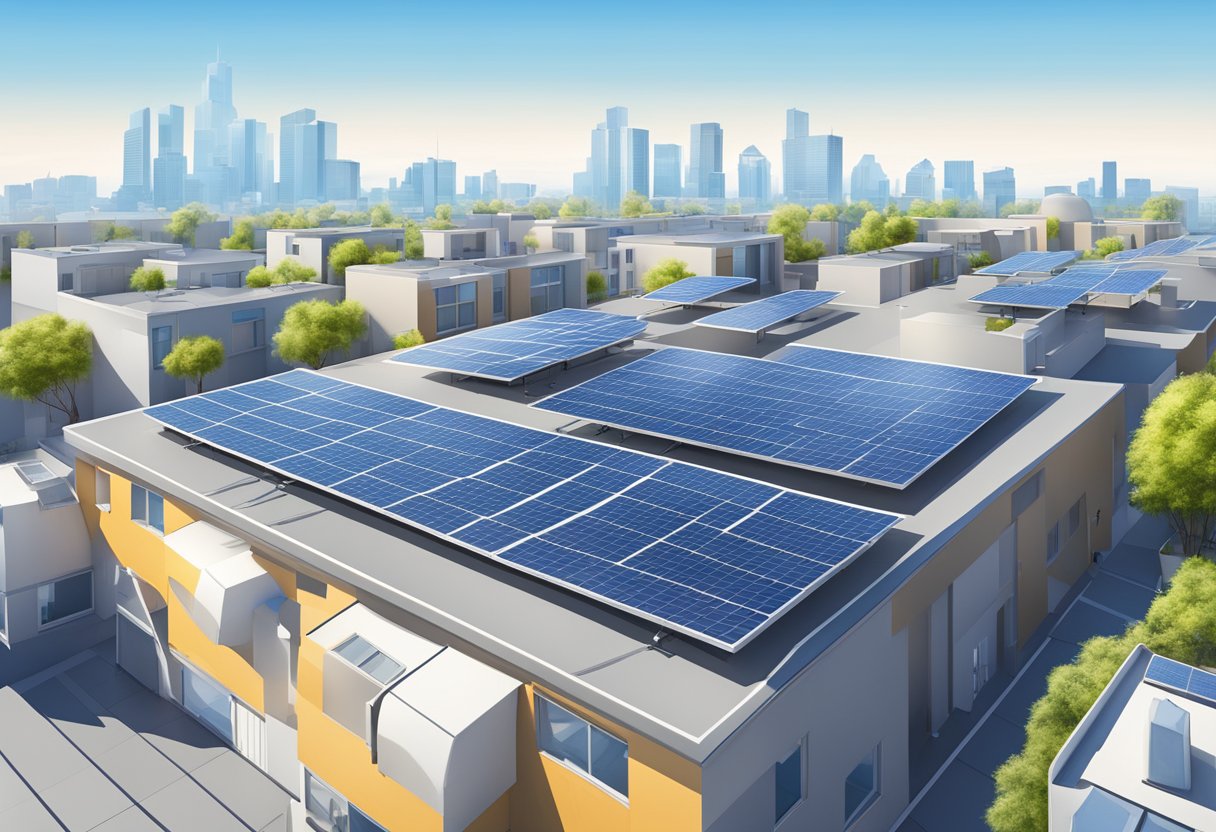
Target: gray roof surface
column 694, row 238
column 206, row 255
column 175, row 300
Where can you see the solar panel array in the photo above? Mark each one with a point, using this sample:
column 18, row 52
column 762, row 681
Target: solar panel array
column 883, row 420
column 510, row 351
column 715, row 556
column 1181, row 677
column 1071, row 286
column 760, row 315
column 1031, row 261
column 1031, row 296
column 693, row 290
column 1160, row 248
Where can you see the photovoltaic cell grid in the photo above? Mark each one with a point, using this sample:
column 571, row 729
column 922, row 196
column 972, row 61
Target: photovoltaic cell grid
column 1168, row 673
column 759, row 315
column 883, row 420
column 714, row 556
column 510, row 351
column 694, row 290
column 1031, row 296
column 1161, row 248
column 1071, row 285
column 1031, row 261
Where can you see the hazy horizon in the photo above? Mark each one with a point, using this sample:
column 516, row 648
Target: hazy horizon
column 1051, row 91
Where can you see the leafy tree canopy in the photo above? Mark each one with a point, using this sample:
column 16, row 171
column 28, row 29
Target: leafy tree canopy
column 413, row 241
column 442, row 219
column 979, row 260
column 692, row 209
column 147, row 279
column 112, row 231
column 25, row 239
column 878, row 231
column 1053, row 228
column 184, row 222
column 405, row 340
column 790, row 222
column 1163, row 207
column 42, row 358
column 194, row 358
column 242, row 238
column 664, row 273
column 578, row 206
column 635, row 205
column 494, row 206
column 356, row 252
column 824, row 212
column 313, row 330
column 531, row 242
column 539, row 209
column 287, row 271
column 854, row 211
column 1020, row 206
column 1103, row 248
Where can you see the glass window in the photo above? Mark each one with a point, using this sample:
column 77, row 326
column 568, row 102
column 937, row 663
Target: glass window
column 628, row 255
column 1053, row 542
column 1074, row 518
column 861, row 787
column 65, row 282
column 581, row 745
column 148, row 508
column 788, row 782
column 162, row 343
column 65, row 598
column 548, row 289
column 500, row 297
column 248, row 329
column 1027, row 493
column 207, row 701
column 367, row 657
column 330, row 811
column 139, row 503
column 455, row 307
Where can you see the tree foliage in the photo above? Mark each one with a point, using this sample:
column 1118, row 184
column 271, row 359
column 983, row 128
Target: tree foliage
column 442, row 219
column 288, row 271
column 997, row 324
column 790, row 222
column 881, row 231
column 356, row 252
column 692, row 209
column 494, row 206
column 539, row 209
column 405, row 340
column 597, row 287
column 578, row 206
column 825, row 212
column 979, row 260
column 184, row 222
column 1165, row 207
column 665, row 272
column 413, row 241
column 113, row 231
column 1103, row 248
column 242, row 238
column 635, row 205
column 854, row 211
column 734, row 209
column 147, row 279
column 25, row 239
column 42, row 358
column 1020, row 206
column 381, row 216
column 1181, row 624
column 6, row 273
column 313, row 330
column 530, row 242
column 194, row 358
column 1053, row 228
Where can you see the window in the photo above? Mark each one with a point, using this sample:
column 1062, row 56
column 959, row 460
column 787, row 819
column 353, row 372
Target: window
column 1053, row 542
column 861, row 787
column 628, row 255
column 1074, row 518
column 162, row 343
column 147, row 508
column 65, row 282
column 101, row 489
column 788, row 783
column 65, row 599
column 455, row 307
column 1027, row 493
column 548, row 289
column 229, row 280
column 500, row 297
column 248, row 329
column 207, row 702
column 367, row 657
column 332, row 812
column 583, row 746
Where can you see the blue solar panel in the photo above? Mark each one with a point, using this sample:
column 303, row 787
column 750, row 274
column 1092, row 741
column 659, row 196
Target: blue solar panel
column 1168, row 673
column 711, row 555
column 760, row 315
column 1084, row 277
column 1160, row 248
column 1107, row 279
column 1031, row 296
column 510, row 351
column 883, row 420
column 693, row 290
column 1031, row 261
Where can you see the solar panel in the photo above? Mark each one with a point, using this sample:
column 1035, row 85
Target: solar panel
column 715, row 556
column 1031, row 261
column 1160, row 248
column 882, row 420
column 693, row 290
column 760, row 315
column 1108, row 279
column 1031, row 296
column 1170, row 674
column 510, row 351
column 1082, row 276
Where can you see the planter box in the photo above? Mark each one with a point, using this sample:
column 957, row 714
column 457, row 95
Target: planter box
column 1170, row 559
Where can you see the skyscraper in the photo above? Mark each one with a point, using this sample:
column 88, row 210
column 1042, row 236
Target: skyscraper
column 431, row 183
column 960, row 180
column 212, row 117
column 1000, row 189
column 489, row 184
column 1189, row 197
column 1110, row 181
column 755, row 177
column 169, row 168
column 342, row 180
column 812, row 166
column 668, row 171
column 251, row 156
column 795, row 156
column 827, row 170
column 1135, row 191
column 706, row 179
column 921, row 182
column 1087, row 189
column 869, row 182
column 472, row 187
column 305, row 144
column 136, row 160
column 620, row 159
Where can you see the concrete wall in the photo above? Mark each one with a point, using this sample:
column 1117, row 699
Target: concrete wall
column 872, row 284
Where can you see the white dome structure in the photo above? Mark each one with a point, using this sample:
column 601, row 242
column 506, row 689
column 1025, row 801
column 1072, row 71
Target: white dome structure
column 1066, row 208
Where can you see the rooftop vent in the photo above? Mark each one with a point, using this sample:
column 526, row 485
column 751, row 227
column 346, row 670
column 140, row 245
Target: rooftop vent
column 1168, row 762
column 34, row 473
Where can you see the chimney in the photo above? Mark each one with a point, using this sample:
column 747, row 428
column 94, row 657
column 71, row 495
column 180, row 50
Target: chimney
column 1168, row 762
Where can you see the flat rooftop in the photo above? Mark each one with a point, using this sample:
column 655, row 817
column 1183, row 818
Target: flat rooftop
column 693, row 238
column 688, row 697
column 336, row 230
column 204, row 256
column 89, row 249
column 429, row 269
column 176, row 300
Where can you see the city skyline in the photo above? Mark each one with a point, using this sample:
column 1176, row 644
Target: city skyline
column 440, row 85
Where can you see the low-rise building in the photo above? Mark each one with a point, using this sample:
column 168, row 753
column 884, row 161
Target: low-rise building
column 754, row 254
column 311, row 246
column 882, row 276
column 460, row 243
column 204, row 268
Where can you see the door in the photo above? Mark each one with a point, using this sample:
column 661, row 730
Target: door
column 137, row 653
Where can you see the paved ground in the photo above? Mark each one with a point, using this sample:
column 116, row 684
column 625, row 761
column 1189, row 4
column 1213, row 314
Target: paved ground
column 1119, row 592
column 84, row 746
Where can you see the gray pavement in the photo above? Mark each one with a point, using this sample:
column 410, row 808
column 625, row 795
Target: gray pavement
column 84, row 746
column 1120, row 591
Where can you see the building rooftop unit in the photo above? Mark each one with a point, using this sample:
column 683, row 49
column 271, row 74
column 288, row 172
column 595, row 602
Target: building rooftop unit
column 202, row 256
column 113, row 247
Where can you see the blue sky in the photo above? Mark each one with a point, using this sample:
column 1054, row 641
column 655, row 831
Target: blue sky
column 1050, row 88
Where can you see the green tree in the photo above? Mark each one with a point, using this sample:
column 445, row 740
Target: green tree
column 1053, row 228
column 147, row 279
column 405, row 340
column 900, row 230
column 1165, row 207
column 194, row 358
column 1180, row 624
column 287, row 271
column 112, row 231
column 878, row 231
column 597, row 287
column 25, row 239
column 540, row 210
column 1172, row 460
column 790, row 222
column 183, row 224
column 530, row 242
column 494, row 206
column 970, row 209
column 259, row 277
column 42, row 358
column 734, row 209
column 242, row 238
column 1020, row 206
column 382, row 256
column 664, row 273
column 413, row 241
column 442, row 219
column 354, row 252
column 824, row 212
column 578, row 206
column 313, row 330
column 979, row 260
column 6, row 273
column 693, row 209
column 854, row 211
column 635, row 205
column 1103, row 248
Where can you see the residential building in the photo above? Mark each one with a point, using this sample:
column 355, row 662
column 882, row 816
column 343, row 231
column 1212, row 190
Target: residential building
column 460, row 243
column 1136, row 191
column 472, row 187
column 920, row 182
column 1190, row 202
column 311, row 246
column 305, row 144
column 752, row 254
column 869, row 183
column 136, row 161
column 620, row 159
column 1000, row 189
column 755, row 178
column 489, row 184
column 431, row 183
column 884, row 276
column 959, row 180
column 706, row 177
column 1110, row 182
column 668, row 171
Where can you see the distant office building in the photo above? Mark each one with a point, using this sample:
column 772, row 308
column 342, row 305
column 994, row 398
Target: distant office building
column 45, row 190
column 620, row 159
column 304, row 146
column 169, row 167
column 706, row 179
column 1056, row 189
column 341, row 180
column 1087, row 189
column 170, row 130
column 212, row 117
column 755, row 177
column 1136, row 191
column 869, row 182
column 251, row 155
column 1189, row 197
column 827, row 170
column 797, row 123
column 1110, row 181
column 921, row 182
column 516, row 191
column 78, row 193
column 668, row 170
column 960, row 180
column 1000, row 189
column 136, row 161
column 812, row 166
column 432, row 183
column 18, row 198
column 489, row 184
column 472, row 187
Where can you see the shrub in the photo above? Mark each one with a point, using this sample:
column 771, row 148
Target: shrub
column 405, row 340
column 979, row 260
column 997, row 324
column 665, row 273
column 145, row 279
column 597, row 287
